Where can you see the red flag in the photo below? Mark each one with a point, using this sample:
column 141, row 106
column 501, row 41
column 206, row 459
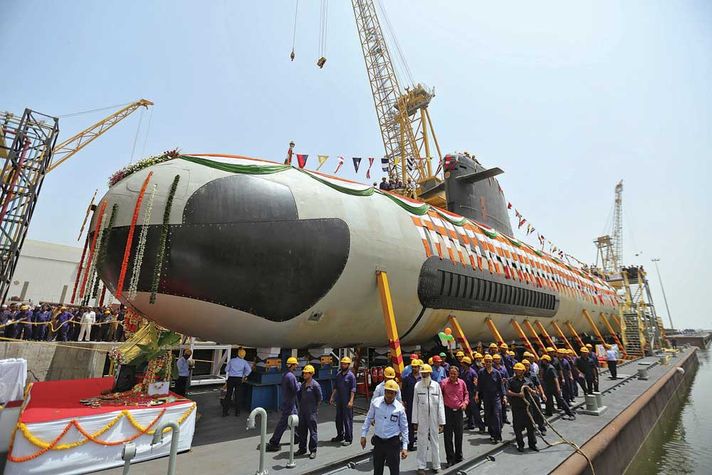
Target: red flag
column 368, row 172
column 509, row 205
column 338, row 167
column 288, row 160
column 302, row 159
column 521, row 222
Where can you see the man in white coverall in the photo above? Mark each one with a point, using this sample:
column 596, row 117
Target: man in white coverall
column 88, row 319
column 429, row 418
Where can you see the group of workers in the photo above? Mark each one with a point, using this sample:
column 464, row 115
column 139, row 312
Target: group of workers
column 60, row 323
column 447, row 395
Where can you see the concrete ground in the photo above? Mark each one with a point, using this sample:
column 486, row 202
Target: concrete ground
column 224, row 444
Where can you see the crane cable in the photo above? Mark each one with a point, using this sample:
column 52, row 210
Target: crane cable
column 399, row 52
column 323, row 30
column 294, row 31
column 138, row 129
column 73, row 114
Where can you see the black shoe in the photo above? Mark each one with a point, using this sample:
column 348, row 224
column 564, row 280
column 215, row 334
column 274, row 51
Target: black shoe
column 312, row 455
column 337, row 439
column 458, row 459
column 482, row 430
column 469, row 427
column 542, row 430
column 520, row 449
column 493, row 440
column 411, row 448
column 272, row 448
column 505, row 421
column 534, row 448
column 300, row 452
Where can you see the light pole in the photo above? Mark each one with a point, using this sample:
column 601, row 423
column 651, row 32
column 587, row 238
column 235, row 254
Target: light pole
column 667, row 307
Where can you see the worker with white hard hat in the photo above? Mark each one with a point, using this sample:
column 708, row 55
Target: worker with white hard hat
column 288, row 406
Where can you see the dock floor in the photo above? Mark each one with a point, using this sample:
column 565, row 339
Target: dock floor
column 223, row 444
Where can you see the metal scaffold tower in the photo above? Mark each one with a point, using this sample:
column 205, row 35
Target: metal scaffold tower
column 610, row 246
column 26, row 145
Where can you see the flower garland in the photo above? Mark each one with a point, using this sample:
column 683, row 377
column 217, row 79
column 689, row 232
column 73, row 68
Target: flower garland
column 100, row 218
column 129, row 237
column 138, row 259
column 98, row 252
column 116, row 355
column 80, row 268
column 141, row 164
column 164, row 239
column 104, row 244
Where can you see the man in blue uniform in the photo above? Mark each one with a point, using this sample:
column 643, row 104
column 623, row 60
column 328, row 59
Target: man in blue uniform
column 23, row 325
column 535, row 397
column 309, row 396
column 237, row 372
column 520, row 418
column 473, row 417
column 594, row 364
column 490, row 388
column 42, row 322
column 552, row 390
column 390, row 430
column 566, row 377
column 507, row 360
column 290, row 386
column 408, row 396
column 438, row 370
column 343, row 397
column 497, row 364
column 585, row 366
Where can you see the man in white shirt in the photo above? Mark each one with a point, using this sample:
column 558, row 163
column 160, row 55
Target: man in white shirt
column 237, row 372
column 390, row 430
column 390, row 375
column 612, row 360
column 88, row 319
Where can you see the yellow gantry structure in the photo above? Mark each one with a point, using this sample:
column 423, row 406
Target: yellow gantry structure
column 563, row 337
column 574, row 333
column 460, row 336
column 535, row 335
column 524, row 338
column 545, row 333
column 389, row 318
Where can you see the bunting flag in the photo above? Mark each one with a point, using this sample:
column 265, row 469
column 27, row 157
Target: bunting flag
column 338, row 166
column 509, row 205
column 521, row 222
column 517, row 214
column 288, row 160
column 322, row 160
column 357, row 162
column 302, row 159
column 384, row 164
column 370, row 164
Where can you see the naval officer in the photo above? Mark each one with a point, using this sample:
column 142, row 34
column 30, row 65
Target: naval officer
column 390, row 432
column 237, row 372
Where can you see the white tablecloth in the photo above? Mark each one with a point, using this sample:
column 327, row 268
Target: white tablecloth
column 13, row 377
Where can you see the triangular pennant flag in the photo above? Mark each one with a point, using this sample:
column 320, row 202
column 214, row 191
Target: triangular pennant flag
column 509, row 205
column 384, row 164
column 338, row 167
column 370, row 164
column 357, row 162
column 302, row 159
column 322, row 160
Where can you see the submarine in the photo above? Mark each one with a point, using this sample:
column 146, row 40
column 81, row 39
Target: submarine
column 252, row 252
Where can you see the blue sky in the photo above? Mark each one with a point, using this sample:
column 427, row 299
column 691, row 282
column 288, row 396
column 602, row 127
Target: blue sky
column 566, row 97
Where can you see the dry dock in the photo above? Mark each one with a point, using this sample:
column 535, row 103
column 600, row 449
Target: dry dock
column 610, row 440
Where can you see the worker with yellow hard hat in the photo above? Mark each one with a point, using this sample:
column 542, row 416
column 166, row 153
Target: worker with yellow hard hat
column 343, row 397
column 552, row 388
column 309, row 396
column 390, row 429
column 288, row 406
column 428, row 415
column 586, row 368
column 389, row 374
column 516, row 391
column 535, row 397
column 408, row 368
column 493, row 348
column 490, row 388
column 408, row 395
column 566, row 378
column 238, row 369
column 498, row 364
column 472, row 412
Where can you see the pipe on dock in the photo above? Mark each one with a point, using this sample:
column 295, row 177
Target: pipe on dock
column 158, row 437
column 292, row 422
column 263, row 435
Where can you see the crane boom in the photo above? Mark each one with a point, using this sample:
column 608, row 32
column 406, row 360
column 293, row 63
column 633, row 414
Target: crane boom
column 74, row 144
column 402, row 116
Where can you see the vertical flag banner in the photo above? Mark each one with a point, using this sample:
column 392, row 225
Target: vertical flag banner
column 384, row 164
column 322, row 160
column 338, row 167
column 368, row 171
column 357, row 162
column 302, row 159
column 288, row 160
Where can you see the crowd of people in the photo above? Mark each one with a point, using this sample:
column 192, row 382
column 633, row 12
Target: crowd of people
column 390, row 184
column 449, row 394
column 46, row 322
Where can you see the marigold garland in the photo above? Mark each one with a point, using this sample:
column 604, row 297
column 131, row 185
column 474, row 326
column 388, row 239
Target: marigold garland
column 102, row 209
column 55, row 445
column 138, row 259
column 164, row 238
column 129, row 238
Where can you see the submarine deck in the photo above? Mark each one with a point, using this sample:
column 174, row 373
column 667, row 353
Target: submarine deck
column 224, row 444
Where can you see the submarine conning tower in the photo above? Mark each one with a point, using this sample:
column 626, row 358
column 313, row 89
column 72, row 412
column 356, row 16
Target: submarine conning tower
column 473, row 192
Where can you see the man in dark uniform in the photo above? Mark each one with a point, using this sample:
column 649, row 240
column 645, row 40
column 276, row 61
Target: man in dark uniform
column 520, row 418
column 552, row 390
column 290, row 386
column 507, row 360
column 309, row 396
column 473, row 417
column 566, row 377
column 489, row 386
column 343, row 397
column 593, row 358
column 408, row 394
column 535, row 397
column 497, row 364
column 585, row 366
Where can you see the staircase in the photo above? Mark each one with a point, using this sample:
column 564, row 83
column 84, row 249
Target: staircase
column 633, row 336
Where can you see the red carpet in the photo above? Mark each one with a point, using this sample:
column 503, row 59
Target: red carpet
column 52, row 400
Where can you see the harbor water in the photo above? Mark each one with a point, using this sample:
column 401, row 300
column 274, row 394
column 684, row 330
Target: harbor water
column 681, row 442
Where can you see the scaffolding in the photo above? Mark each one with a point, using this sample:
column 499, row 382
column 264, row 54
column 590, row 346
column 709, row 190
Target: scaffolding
column 26, row 145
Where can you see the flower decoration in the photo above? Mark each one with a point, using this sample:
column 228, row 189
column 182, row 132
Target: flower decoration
column 141, row 164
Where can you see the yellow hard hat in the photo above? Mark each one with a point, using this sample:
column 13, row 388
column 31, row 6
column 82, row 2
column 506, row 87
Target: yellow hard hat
column 584, row 349
column 292, row 360
column 488, row 357
column 430, row 360
column 389, row 373
column 550, row 349
column 426, row 369
column 519, row 366
column 503, row 346
column 478, row 356
column 493, row 345
column 416, row 362
column 608, row 347
column 510, row 353
column 346, row 360
column 589, row 346
column 546, row 358
column 308, row 369
column 24, row 307
column 528, row 355
column 391, row 385
column 107, row 311
column 459, row 353
column 467, row 360
column 525, row 362
column 497, row 356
